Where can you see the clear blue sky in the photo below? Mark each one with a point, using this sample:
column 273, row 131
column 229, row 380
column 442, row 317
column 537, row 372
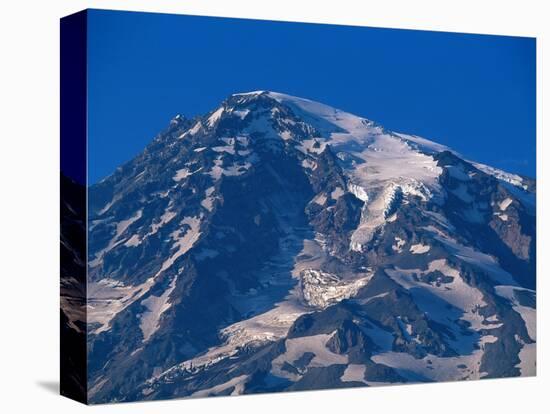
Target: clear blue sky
column 474, row 93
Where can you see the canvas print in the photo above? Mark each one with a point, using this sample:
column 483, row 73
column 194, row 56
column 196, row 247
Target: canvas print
column 256, row 207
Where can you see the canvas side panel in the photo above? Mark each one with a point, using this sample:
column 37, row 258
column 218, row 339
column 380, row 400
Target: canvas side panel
column 73, row 63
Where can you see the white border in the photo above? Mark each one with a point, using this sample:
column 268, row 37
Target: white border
column 29, row 159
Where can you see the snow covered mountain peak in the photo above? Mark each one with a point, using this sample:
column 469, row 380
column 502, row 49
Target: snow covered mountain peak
column 278, row 243
column 346, row 132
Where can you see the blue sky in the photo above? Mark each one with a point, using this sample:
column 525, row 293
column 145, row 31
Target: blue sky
column 474, row 93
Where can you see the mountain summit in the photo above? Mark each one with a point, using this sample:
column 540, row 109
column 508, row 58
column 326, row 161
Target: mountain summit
column 277, row 243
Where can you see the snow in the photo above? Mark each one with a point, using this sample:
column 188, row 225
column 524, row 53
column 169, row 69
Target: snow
column 98, row 385
column 243, row 140
column 215, row 117
column 286, row 135
column 72, row 302
column 270, row 321
column 465, row 300
column 238, row 383
column 337, row 193
column 252, row 93
column 296, row 347
column 165, row 218
column 399, row 243
column 419, row 248
column 388, row 156
column 121, row 227
column 232, row 170
column 262, row 125
column 136, row 240
column 199, row 149
column 434, row 368
column 354, row 373
column 528, row 360
column 503, row 205
column 309, row 164
column 378, row 210
column 276, row 321
column 391, row 168
column 335, row 119
column 320, row 199
column 196, row 128
column 110, row 300
column 314, row 146
column 509, row 178
column 476, row 258
column 529, row 315
column 424, row 144
column 183, row 241
column 390, row 159
column 241, row 113
column 321, row 289
column 528, row 199
column 382, row 204
column 230, row 149
column 108, row 297
column 181, row 174
column 108, row 205
column 358, row 192
column 208, row 202
column 133, row 241
column 370, row 299
column 155, row 307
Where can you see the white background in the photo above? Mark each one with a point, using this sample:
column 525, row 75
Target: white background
column 29, row 159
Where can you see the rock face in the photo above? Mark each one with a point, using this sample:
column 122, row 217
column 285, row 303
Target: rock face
column 281, row 244
column 73, row 289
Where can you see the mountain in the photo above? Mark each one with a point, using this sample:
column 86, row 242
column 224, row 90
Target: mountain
column 278, row 243
column 73, row 289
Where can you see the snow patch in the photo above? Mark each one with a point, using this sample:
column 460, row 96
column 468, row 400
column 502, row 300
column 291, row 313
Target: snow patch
column 192, row 131
column 528, row 314
column 230, row 149
column 133, row 241
column 241, row 113
column 215, row 117
column 509, row 178
column 208, row 202
column 434, row 368
column 320, row 199
column 503, row 205
column 337, row 193
column 465, row 301
column 237, row 383
column 181, row 174
column 121, row 227
column 183, row 241
column 321, row 289
column 297, row 347
column 354, row 373
column 358, row 192
column 398, row 245
column 155, row 307
column 419, row 248
column 528, row 360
